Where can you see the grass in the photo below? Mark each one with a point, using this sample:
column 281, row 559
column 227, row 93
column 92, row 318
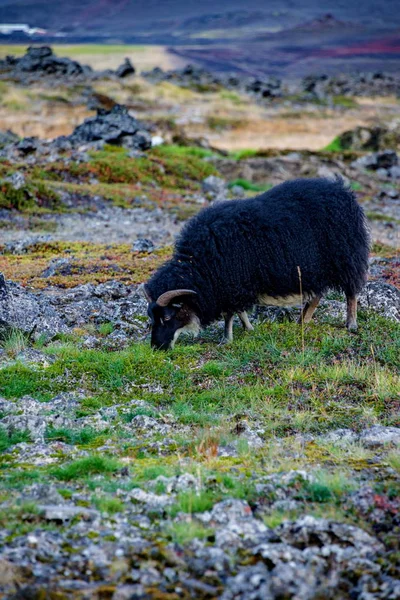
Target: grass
column 218, row 123
column 184, row 532
column 8, row 439
column 108, row 504
column 264, row 372
column 243, row 154
column 334, row 146
column 375, row 216
column 344, row 101
column 85, row 436
column 14, row 342
column 164, row 166
column 250, row 186
column 84, row 467
column 33, row 196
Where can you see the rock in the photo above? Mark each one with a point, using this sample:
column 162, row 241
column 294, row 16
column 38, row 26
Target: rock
column 230, row 510
column 394, row 172
column 149, row 499
column 115, row 126
column 28, row 145
column 252, row 583
column 25, row 244
column 148, row 426
column 125, row 69
column 214, row 186
column 378, row 436
column 385, row 159
column 308, row 532
column 12, row 575
column 33, row 314
column 17, row 180
column 180, row 483
column 58, row 266
column 157, row 140
column 341, row 437
column 382, row 298
column 8, row 137
column 45, row 494
column 35, row 416
column 143, row 245
column 66, row 512
column 244, row 431
column 370, row 138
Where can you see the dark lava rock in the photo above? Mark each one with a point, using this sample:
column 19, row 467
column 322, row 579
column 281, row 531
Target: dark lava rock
column 41, row 62
column 115, row 126
column 351, row 84
column 125, row 69
column 198, row 78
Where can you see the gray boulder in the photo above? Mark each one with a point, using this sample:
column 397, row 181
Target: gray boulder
column 378, row 436
column 22, row 310
column 382, row 298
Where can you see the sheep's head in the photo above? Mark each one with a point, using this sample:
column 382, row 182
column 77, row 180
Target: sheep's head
column 169, row 315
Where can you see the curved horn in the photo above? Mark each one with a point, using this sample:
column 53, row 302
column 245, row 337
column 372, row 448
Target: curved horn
column 166, row 298
column 143, row 290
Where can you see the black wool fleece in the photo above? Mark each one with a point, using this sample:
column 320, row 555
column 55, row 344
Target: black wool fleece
column 232, row 252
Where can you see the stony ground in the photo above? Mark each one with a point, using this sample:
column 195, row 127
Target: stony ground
column 268, row 468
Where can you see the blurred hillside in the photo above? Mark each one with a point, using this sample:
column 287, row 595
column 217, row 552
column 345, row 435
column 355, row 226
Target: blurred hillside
column 281, row 38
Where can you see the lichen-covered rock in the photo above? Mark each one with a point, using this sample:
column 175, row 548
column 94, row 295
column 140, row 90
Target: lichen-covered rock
column 309, row 532
column 25, row 244
column 379, row 436
column 381, row 297
column 143, row 245
column 33, row 314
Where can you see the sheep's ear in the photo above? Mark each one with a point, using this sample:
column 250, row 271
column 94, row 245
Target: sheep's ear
column 143, row 290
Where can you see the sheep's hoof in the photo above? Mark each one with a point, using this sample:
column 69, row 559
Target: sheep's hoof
column 226, row 341
column 352, row 326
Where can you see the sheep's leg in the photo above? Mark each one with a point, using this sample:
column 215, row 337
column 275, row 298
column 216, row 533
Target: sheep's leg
column 245, row 321
column 351, row 321
column 228, row 332
column 309, row 309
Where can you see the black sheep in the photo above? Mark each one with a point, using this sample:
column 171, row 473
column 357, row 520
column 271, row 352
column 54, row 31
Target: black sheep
column 292, row 243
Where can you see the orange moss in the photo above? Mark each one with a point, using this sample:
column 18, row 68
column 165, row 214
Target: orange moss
column 89, row 263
